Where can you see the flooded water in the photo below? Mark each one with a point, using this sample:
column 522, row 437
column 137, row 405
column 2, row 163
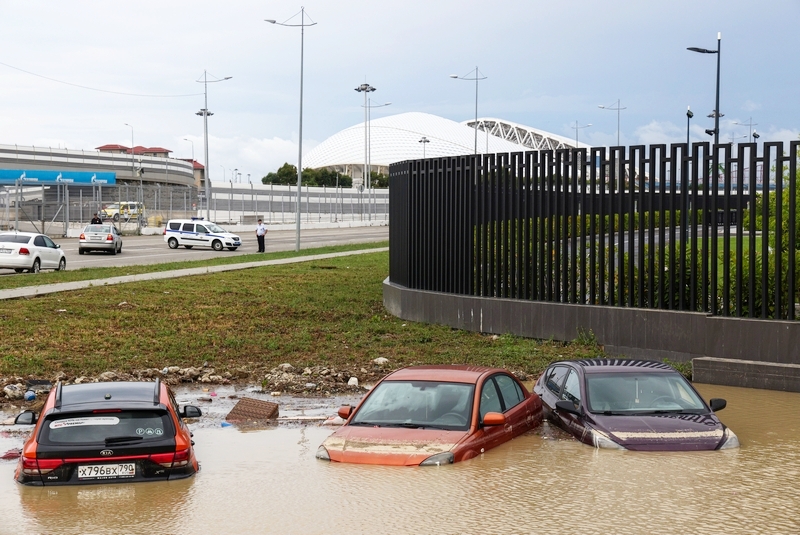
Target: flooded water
column 268, row 481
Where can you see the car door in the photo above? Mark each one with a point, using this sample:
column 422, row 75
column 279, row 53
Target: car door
column 46, row 255
column 572, row 392
column 202, row 235
column 515, row 411
column 187, row 235
column 551, row 390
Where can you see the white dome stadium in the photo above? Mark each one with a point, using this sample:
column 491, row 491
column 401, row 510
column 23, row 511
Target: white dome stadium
column 397, row 138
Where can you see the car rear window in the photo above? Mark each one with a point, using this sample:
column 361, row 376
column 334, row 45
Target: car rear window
column 174, row 226
column 85, row 428
column 14, row 238
column 98, row 228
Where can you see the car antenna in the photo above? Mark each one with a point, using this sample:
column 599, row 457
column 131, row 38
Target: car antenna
column 157, row 393
column 58, row 395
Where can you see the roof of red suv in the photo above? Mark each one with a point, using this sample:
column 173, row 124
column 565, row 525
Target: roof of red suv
column 114, row 395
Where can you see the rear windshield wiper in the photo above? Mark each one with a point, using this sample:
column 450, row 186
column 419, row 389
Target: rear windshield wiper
column 116, row 440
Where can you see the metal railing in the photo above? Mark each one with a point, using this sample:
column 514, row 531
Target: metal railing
column 700, row 228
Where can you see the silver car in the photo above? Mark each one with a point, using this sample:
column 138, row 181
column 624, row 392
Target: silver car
column 30, row 251
column 104, row 237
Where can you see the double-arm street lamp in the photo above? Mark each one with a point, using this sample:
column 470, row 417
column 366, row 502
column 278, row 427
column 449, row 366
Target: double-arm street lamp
column 716, row 114
column 616, row 108
column 366, row 89
column 477, row 77
column 577, row 129
column 302, row 27
column 424, row 142
column 205, row 113
column 750, row 124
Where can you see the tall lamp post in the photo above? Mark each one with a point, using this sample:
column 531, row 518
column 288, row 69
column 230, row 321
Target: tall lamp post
column 365, row 88
column 750, row 124
column 141, row 188
column 424, row 142
column 192, row 142
column 577, row 128
column 205, row 113
column 689, row 116
column 716, row 113
column 302, row 27
column 477, row 78
column 617, row 109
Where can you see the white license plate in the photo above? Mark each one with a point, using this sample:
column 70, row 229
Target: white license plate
column 96, row 237
column 5, row 251
column 106, row 471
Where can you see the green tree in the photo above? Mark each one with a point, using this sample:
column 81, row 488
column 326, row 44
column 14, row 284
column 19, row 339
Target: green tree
column 286, row 175
column 379, row 180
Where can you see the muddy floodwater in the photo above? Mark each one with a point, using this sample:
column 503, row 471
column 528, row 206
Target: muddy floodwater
column 268, row 481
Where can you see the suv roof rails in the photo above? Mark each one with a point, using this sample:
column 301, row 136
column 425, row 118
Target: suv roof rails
column 157, row 391
column 58, row 395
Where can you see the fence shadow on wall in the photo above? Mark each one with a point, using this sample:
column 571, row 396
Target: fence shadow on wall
column 690, row 228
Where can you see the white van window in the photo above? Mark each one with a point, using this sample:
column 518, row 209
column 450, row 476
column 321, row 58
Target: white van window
column 188, row 227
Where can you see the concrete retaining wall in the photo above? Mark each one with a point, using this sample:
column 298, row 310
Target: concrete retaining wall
column 632, row 332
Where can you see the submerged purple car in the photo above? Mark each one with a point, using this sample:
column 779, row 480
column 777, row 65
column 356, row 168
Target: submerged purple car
column 631, row 404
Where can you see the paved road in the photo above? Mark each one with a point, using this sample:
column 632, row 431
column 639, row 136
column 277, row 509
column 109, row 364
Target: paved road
column 138, row 250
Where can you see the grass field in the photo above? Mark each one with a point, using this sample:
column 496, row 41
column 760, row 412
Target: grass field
column 320, row 312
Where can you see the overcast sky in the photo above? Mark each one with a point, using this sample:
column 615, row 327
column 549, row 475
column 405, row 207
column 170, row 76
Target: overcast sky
column 72, row 73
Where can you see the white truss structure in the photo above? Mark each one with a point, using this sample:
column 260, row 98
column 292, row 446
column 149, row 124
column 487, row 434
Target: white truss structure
column 523, row 135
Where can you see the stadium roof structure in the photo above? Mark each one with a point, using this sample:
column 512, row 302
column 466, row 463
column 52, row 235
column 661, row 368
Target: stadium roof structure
column 397, row 138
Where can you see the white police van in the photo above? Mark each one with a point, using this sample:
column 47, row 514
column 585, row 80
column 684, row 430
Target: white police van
column 198, row 233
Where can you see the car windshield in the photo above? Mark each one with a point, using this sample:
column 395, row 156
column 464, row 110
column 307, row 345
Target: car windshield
column 98, row 228
column 632, row 393
column 106, row 427
column 114, row 206
column 418, row 404
column 213, row 227
column 14, row 238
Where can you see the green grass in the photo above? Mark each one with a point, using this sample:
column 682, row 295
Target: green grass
column 320, row 312
column 50, row 277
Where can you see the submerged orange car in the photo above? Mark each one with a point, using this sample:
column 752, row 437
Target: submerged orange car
column 433, row 415
column 107, row 433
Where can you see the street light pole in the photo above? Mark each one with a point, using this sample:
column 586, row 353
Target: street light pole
column 205, row 113
column 140, row 211
column 617, row 109
column 424, row 142
column 689, row 116
column 365, row 88
column 302, row 27
column 577, row 128
column 192, row 142
column 750, row 124
column 369, row 107
column 477, row 78
column 716, row 113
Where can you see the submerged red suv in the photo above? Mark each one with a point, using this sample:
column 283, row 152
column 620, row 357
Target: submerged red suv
column 107, row 433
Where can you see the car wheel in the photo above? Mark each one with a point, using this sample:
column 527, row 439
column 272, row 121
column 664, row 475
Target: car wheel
column 62, row 265
column 116, row 217
column 18, row 270
column 36, row 267
column 188, row 246
column 173, row 243
column 114, row 250
column 120, row 248
column 232, row 248
column 217, row 245
column 81, row 251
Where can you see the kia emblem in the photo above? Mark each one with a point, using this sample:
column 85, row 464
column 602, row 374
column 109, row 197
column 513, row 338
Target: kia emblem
column 106, row 453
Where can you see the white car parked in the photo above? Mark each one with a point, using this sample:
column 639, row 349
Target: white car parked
column 30, row 251
column 196, row 232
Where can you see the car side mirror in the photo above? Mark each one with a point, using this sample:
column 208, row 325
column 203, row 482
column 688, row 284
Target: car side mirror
column 190, row 411
column 567, row 406
column 344, row 412
column 58, row 246
column 717, row 404
column 26, row 418
column 494, row 418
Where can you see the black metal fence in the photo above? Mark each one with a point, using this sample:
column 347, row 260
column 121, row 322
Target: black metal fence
column 699, row 228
